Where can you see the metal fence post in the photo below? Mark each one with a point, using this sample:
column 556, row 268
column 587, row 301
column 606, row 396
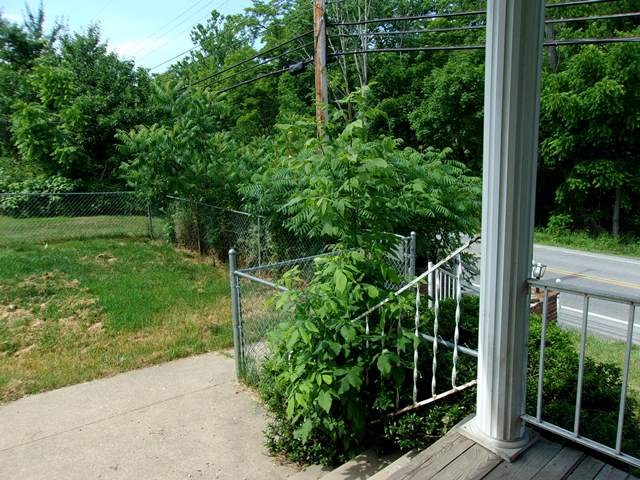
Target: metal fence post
column 412, row 256
column 259, row 241
column 431, row 285
column 235, row 312
column 196, row 215
column 149, row 220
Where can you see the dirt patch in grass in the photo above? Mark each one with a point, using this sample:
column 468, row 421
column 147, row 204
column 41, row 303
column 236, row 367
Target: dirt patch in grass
column 71, row 353
column 64, row 325
column 12, row 315
column 53, row 309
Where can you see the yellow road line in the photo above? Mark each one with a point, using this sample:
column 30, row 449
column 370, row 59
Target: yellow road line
column 610, row 281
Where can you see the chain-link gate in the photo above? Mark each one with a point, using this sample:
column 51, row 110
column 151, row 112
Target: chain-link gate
column 253, row 291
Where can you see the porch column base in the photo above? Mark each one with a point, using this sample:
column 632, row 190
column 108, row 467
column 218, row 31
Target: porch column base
column 508, row 451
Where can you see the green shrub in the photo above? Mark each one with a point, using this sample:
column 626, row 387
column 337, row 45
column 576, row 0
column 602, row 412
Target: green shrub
column 327, row 380
column 601, row 390
column 34, row 205
column 419, row 429
column 559, row 224
column 328, row 384
column 350, row 187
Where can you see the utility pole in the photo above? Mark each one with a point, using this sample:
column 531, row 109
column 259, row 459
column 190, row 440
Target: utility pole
column 320, row 65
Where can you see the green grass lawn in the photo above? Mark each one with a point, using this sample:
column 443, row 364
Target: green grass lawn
column 582, row 241
column 43, row 230
column 78, row 310
column 612, row 351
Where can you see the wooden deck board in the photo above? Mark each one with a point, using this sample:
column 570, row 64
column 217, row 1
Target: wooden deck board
column 455, row 457
column 435, row 459
column 561, row 465
column 587, row 470
column 609, row 472
column 473, row 464
column 529, row 464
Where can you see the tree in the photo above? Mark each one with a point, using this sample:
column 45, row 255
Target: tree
column 451, row 111
column 20, row 46
column 186, row 153
column 81, row 96
column 590, row 135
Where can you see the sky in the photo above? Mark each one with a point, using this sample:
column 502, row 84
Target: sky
column 148, row 31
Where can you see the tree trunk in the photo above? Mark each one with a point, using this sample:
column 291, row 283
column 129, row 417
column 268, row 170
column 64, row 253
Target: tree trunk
column 615, row 228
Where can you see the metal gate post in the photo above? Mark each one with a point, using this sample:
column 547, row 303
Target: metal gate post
column 235, row 312
column 259, row 241
column 431, row 285
column 412, row 256
column 149, row 220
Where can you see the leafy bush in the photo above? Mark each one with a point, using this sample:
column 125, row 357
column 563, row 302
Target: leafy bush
column 315, row 380
column 417, row 430
column 559, row 224
column 186, row 153
column 329, row 377
column 328, row 383
column 33, row 205
column 601, row 390
column 349, row 187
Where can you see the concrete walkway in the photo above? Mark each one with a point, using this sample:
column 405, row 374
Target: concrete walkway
column 181, row 420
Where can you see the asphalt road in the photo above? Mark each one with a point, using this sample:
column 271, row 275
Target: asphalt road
column 611, row 274
column 607, row 273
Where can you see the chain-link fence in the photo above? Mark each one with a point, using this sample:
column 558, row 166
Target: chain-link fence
column 198, row 226
column 52, row 217
column 254, row 291
column 213, row 230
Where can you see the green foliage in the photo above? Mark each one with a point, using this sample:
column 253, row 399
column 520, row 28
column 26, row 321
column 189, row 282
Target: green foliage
column 186, row 152
column 601, row 390
column 21, row 205
column 350, row 188
column 76, row 99
column 628, row 245
column 328, row 383
column 451, row 112
column 20, row 46
column 417, row 430
column 589, row 134
column 328, row 378
column 320, row 381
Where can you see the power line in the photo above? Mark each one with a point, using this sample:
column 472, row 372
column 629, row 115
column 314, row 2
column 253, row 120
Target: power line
column 264, row 62
column 194, row 48
column 183, row 31
column 260, row 77
column 407, row 32
column 424, row 16
column 155, row 34
column 428, row 16
column 576, row 3
column 174, row 57
column 557, row 43
column 591, row 41
column 478, row 27
column 247, row 60
column 550, row 43
column 593, row 17
column 104, row 7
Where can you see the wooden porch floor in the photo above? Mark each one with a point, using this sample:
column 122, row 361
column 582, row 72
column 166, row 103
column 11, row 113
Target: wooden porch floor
column 457, row 457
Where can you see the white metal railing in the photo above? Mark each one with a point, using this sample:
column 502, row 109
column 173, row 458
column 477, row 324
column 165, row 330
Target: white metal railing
column 441, row 284
column 575, row 434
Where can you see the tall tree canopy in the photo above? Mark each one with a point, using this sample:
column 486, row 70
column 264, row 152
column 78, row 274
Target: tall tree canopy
column 64, row 98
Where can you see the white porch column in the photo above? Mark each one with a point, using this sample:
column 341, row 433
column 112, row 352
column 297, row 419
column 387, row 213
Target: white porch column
column 511, row 110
